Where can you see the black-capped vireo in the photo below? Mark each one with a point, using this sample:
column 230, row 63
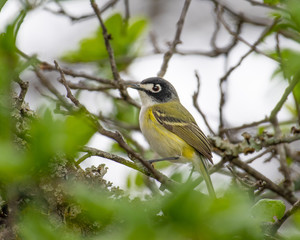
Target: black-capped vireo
column 169, row 127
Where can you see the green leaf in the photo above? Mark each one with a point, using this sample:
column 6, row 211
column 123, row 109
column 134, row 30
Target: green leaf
column 289, row 68
column 13, row 165
column 50, row 137
column 266, row 210
column 97, row 204
column 125, row 112
column 139, row 180
column 296, row 92
column 2, row 3
column 123, row 41
column 271, row 2
column 288, row 19
column 79, row 130
column 177, row 176
column 35, row 226
column 115, row 148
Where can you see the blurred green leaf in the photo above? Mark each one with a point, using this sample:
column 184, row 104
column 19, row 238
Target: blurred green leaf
column 291, row 108
column 271, row 2
column 47, row 139
column 123, row 42
column 294, row 237
column 289, row 69
column 115, row 148
column 8, row 64
column 296, row 218
column 288, row 19
column 79, row 130
column 290, row 62
column 196, row 216
column 266, row 209
column 296, row 92
column 13, row 165
column 125, row 113
column 35, row 226
column 161, row 164
column 139, row 180
column 97, row 204
column 53, row 137
column 177, row 176
column 261, row 130
column 293, row 8
column 2, row 3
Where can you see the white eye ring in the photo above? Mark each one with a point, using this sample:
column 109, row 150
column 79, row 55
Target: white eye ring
column 156, row 88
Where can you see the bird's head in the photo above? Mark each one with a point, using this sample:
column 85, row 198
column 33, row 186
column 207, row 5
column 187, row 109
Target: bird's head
column 155, row 90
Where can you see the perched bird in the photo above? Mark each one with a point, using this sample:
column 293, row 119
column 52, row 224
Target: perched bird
column 170, row 129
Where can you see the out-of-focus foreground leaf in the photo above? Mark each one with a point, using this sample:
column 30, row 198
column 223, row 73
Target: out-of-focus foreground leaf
column 184, row 214
column 268, row 210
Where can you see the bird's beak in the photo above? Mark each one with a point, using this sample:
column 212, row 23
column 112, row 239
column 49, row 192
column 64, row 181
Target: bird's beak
column 135, row 86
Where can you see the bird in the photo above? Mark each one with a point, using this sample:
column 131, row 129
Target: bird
column 170, row 129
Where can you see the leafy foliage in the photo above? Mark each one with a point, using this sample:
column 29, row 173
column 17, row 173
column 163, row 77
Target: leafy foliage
column 124, row 41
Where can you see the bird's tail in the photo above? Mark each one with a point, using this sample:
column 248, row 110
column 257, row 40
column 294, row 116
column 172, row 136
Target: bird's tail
column 200, row 165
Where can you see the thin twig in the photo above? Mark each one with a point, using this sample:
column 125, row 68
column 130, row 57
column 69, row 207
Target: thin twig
column 73, row 18
column 223, row 79
column 251, row 160
column 64, row 82
column 253, row 47
column 247, row 125
column 88, row 87
column 196, row 105
column 107, row 37
column 269, row 184
column 284, row 168
column 127, row 12
column 258, row 21
column 176, row 41
column 96, row 152
column 62, row 100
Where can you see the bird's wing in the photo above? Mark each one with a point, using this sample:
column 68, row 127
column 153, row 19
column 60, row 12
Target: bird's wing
column 179, row 121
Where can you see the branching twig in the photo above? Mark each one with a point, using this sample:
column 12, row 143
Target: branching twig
column 251, row 160
column 247, row 125
column 268, row 183
column 176, row 41
column 64, row 82
column 224, row 78
column 107, row 37
column 196, row 105
column 62, row 11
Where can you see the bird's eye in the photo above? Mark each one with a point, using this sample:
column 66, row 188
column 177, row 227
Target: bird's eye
column 156, row 88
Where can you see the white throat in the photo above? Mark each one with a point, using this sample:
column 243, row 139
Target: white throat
column 147, row 101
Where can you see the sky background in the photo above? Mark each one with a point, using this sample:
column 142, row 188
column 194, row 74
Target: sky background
column 251, row 92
